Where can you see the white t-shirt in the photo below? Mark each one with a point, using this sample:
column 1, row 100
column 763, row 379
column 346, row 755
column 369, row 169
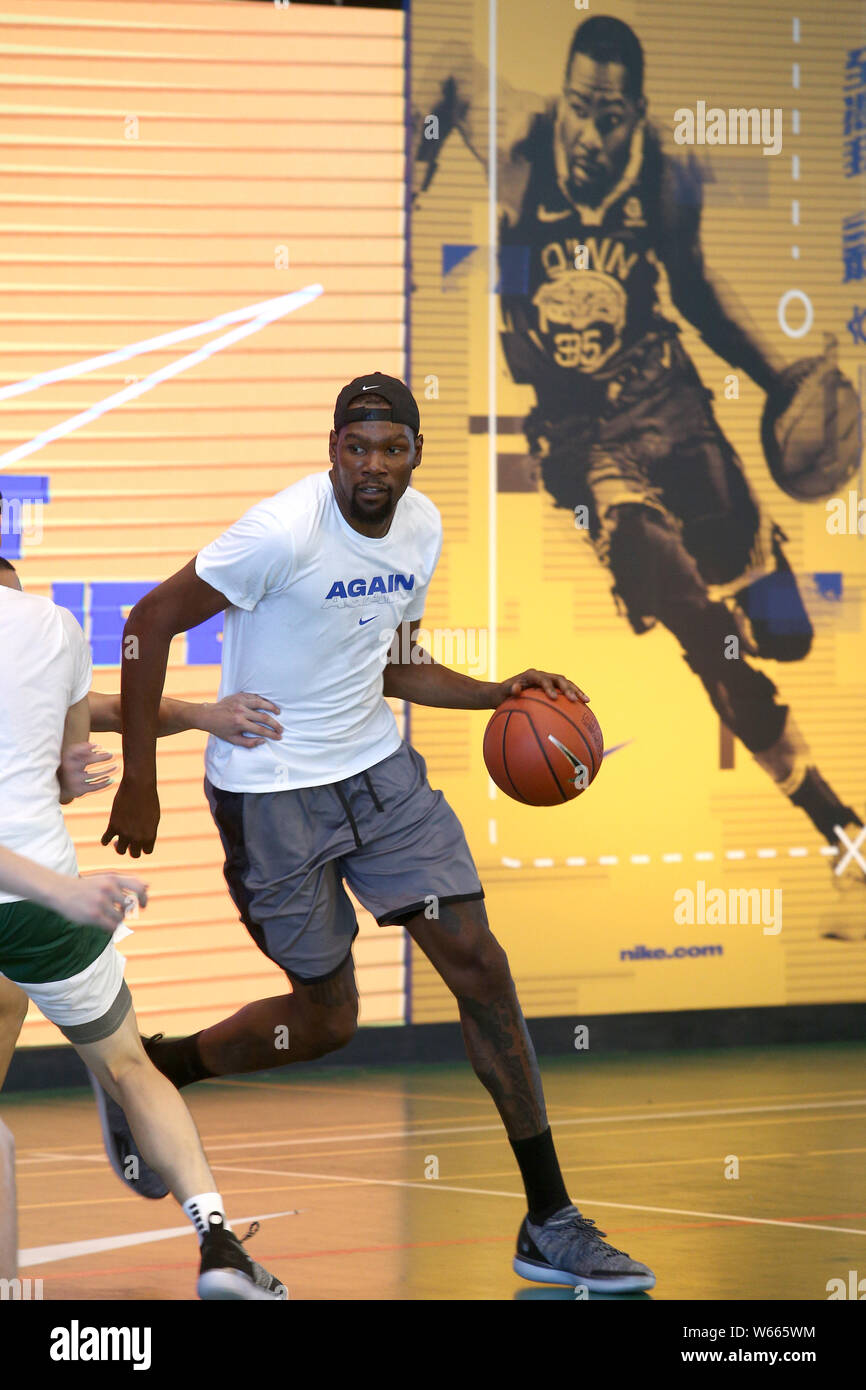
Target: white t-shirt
column 314, row 607
column 44, row 668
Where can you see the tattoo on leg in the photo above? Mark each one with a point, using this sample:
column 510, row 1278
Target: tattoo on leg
column 501, row 1052
column 340, row 989
column 449, row 919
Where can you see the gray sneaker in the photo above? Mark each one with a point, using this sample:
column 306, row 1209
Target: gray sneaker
column 568, row 1249
column 121, row 1148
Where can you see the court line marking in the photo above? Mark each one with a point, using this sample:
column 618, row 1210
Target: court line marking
column 400, row 1096
column 601, row 1111
column 450, row 1145
column 50, row 1254
column 177, row 1265
column 409, row 1133
column 451, row 1148
column 822, row 1153
column 44, row 1158
column 325, row 1131
column 671, row 857
column 602, row 1167
column 41, row 1157
column 349, row 1153
column 72, row 1249
column 213, row 1146
column 325, row 1253
column 581, row 1202
column 594, row 1167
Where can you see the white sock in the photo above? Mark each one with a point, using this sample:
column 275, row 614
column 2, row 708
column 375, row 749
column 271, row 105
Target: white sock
column 199, row 1209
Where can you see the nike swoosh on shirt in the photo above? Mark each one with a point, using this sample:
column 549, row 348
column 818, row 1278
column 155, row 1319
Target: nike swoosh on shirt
column 363, row 621
column 544, row 215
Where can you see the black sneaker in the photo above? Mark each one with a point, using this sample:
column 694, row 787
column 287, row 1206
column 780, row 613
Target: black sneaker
column 227, row 1272
column 568, row 1249
column 122, row 1150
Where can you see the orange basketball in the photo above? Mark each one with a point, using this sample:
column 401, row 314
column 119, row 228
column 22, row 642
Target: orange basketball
column 542, row 751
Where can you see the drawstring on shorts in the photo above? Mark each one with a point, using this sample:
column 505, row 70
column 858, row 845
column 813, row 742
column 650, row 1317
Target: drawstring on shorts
column 345, row 803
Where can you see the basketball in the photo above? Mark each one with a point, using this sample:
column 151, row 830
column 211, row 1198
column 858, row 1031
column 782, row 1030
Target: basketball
column 541, row 751
column 811, row 430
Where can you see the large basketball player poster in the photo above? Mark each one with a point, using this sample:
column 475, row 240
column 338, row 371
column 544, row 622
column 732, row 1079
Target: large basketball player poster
column 638, row 252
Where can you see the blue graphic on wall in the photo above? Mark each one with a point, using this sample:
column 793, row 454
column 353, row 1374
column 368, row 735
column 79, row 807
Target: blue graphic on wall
column 23, row 499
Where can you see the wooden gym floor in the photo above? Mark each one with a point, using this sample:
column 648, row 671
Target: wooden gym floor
column 334, row 1164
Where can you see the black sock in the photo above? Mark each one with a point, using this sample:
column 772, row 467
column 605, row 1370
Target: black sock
column 539, row 1168
column 179, row 1060
column 822, row 805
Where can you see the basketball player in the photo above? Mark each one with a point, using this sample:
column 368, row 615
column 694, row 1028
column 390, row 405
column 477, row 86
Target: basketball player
column 320, row 584
column 623, row 429
column 242, row 719
column 72, row 971
column 99, row 901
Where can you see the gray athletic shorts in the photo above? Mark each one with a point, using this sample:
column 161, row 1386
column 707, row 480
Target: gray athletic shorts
column 392, row 838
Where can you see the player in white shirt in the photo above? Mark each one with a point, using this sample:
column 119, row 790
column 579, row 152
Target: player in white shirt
column 70, row 967
column 100, row 900
column 85, row 768
column 317, row 585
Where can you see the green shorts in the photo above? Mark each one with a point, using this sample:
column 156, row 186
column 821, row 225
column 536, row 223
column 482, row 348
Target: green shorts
column 73, row 974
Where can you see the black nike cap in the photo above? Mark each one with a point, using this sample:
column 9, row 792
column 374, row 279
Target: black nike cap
column 403, row 408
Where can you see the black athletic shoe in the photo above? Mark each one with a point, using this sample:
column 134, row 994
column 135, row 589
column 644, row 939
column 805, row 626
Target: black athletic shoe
column 568, row 1249
column 227, row 1272
column 121, row 1148
column 148, row 1044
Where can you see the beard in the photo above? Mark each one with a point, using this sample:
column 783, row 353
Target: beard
column 361, row 509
